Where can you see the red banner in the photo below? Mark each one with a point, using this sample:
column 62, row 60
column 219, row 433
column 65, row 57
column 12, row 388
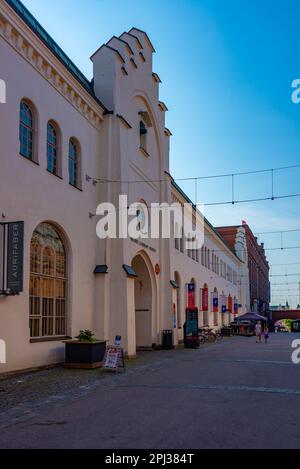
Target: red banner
column 190, row 295
column 230, row 304
column 204, row 299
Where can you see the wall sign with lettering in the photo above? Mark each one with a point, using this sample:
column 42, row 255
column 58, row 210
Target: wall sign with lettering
column 12, row 246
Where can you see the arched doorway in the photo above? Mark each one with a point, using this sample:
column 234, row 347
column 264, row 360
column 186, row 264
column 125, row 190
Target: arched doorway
column 48, row 283
column 143, row 297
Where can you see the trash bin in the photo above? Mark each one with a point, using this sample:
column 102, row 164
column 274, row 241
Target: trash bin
column 167, row 342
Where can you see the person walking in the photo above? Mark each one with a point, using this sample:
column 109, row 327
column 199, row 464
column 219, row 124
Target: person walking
column 258, row 331
column 266, row 333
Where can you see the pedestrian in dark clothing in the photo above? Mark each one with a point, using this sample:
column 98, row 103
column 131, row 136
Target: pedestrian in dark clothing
column 266, row 333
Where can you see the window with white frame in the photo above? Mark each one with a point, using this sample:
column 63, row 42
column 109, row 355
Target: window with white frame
column 26, row 130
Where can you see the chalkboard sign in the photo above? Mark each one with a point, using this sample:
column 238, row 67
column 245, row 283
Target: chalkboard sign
column 114, row 358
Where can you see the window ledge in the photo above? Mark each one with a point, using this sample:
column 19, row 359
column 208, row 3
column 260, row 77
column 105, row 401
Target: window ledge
column 39, row 340
column 54, row 174
column 29, row 159
column 145, row 153
column 75, row 187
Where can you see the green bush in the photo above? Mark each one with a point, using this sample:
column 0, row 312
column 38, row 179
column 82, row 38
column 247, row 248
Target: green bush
column 86, row 336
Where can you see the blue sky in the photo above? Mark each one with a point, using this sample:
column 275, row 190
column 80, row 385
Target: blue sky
column 226, row 68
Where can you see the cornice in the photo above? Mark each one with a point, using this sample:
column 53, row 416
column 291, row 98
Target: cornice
column 31, row 49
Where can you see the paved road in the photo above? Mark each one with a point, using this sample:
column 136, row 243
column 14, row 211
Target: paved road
column 232, row 394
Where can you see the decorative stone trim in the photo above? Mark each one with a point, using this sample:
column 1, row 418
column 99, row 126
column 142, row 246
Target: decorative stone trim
column 133, row 63
column 66, row 86
column 142, row 56
column 168, row 132
column 162, row 106
column 124, row 121
column 144, row 152
column 156, row 78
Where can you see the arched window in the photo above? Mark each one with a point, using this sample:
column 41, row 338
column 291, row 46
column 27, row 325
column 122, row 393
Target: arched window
column 74, row 163
column 143, row 136
column 142, row 216
column 26, row 130
column 48, row 283
column 52, row 148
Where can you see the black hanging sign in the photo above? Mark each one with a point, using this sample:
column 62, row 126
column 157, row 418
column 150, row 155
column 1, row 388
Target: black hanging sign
column 15, row 256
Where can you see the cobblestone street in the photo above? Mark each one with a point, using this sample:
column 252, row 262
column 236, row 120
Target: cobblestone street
column 231, row 394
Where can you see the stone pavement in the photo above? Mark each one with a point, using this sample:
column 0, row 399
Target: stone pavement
column 231, row 394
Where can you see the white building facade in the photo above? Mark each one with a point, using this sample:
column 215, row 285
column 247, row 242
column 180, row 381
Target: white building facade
column 67, row 145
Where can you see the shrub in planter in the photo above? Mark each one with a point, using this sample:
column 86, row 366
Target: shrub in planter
column 85, row 352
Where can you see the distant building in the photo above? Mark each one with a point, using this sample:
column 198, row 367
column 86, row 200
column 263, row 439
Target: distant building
column 281, row 307
column 258, row 267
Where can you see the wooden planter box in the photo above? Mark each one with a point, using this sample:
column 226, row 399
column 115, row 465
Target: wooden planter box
column 86, row 355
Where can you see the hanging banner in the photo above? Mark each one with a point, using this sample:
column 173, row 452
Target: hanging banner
column 15, row 255
column 215, row 302
column 190, row 288
column 230, row 304
column 224, row 303
column 236, row 307
column 204, row 299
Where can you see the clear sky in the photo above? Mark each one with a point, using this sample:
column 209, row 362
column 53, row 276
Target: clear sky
column 227, row 68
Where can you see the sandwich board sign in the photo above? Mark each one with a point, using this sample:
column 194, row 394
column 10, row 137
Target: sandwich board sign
column 114, row 356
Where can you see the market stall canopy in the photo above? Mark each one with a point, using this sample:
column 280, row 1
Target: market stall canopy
column 251, row 317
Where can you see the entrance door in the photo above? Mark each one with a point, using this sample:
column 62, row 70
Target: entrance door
column 143, row 303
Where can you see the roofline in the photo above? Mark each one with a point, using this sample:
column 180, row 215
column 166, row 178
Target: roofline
column 259, row 246
column 231, row 226
column 110, row 48
column 19, row 8
column 124, row 42
column 143, row 32
column 135, row 37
